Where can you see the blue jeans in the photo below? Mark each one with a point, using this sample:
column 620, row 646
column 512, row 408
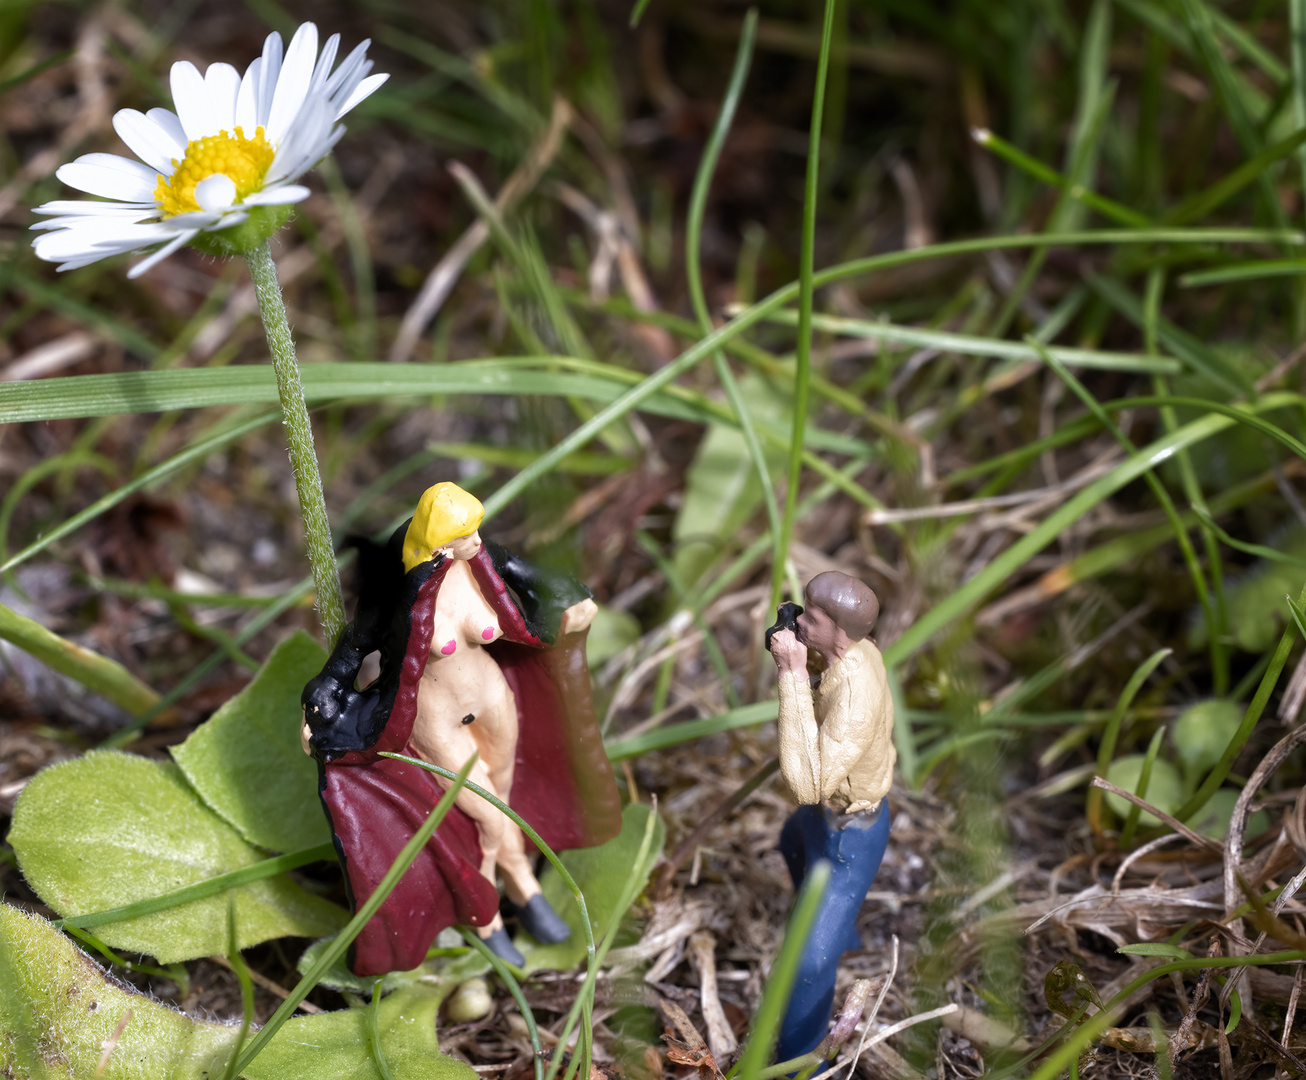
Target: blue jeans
column 853, row 844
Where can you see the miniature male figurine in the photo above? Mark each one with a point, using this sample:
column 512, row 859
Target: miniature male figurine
column 837, row 758
column 481, row 652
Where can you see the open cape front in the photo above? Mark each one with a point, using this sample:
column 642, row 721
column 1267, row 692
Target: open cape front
column 562, row 785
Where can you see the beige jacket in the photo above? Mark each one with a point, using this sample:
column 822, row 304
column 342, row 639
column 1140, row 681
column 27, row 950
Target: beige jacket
column 841, row 750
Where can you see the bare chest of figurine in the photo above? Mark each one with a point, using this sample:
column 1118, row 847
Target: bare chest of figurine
column 463, row 692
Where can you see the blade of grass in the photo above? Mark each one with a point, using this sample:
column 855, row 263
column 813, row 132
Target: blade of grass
column 241, row 970
column 1201, row 204
column 957, row 603
column 974, row 345
column 1158, row 489
column 555, row 862
column 1244, row 271
column 1187, row 348
column 1188, row 477
column 97, row 673
column 779, row 987
column 35, row 70
column 1201, row 26
column 582, row 1009
column 806, row 289
column 292, row 597
column 1106, row 751
column 212, row 886
column 199, row 451
column 1082, row 1037
column 374, row 1033
column 1297, row 56
column 1144, row 779
column 344, row 939
column 674, row 734
column 1092, row 107
column 693, row 269
column 90, row 940
column 1108, row 208
column 514, row 988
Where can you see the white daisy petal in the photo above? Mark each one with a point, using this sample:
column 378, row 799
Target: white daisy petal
column 215, row 193
column 196, row 220
column 365, row 89
column 247, row 98
column 280, row 195
column 167, row 120
column 191, row 98
column 223, row 84
column 87, row 222
column 109, row 176
column 349, row 71
column 68, row 243
column 94, row 208
column 269, row 76
column 322, row 69
column 147, row 140
column 153, row 260
column 293, row 82
column 296, row 152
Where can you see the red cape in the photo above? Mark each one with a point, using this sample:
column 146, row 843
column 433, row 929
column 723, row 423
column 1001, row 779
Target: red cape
column 563, row 785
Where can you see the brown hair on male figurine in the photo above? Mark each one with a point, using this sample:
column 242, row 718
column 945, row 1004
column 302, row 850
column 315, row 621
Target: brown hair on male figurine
column 851, row 604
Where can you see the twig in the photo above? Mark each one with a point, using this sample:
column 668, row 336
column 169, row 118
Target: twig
column 875, row 1009
column 1174, row 823
column 1233, row 850
column 445, row 274
column 720, row 1039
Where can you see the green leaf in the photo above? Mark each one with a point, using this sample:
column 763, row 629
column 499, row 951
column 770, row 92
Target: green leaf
column 722, row 489
column 246, row 762
column 1165, row 790
column 1203, row 731
column 610, row 632
column 1255, row 617
column 1213, row 819
column 57, row 1010
column 333, row 1046
column 1235, row 1011
column 602, row 874
column 1155, row 948
column 109, row 829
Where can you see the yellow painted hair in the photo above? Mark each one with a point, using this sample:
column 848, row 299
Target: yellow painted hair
column 444, row 513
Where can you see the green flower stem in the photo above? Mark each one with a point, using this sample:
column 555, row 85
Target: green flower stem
column 299, row 434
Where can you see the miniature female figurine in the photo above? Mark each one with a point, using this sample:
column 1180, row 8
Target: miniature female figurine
column 837, row 759
column 480, row 652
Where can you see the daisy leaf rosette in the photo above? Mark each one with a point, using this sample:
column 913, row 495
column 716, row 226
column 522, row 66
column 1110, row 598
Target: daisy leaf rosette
column 220, row 171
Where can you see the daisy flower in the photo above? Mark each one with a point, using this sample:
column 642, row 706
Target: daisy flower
column 219, row 172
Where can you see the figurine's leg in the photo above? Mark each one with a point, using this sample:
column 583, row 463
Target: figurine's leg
column 854, row 846
column 519, row 880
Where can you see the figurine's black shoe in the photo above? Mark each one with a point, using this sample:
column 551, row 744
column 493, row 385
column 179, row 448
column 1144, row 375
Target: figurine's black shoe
column 544, row 924
column 501, row 945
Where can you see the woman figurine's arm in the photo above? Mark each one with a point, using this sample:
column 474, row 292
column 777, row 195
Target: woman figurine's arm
column 578, row 617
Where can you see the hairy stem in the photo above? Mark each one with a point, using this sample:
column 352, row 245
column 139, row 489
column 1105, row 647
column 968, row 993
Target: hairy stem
column 299, row 435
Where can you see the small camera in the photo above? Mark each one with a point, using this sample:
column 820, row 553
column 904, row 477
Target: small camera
column 786, row 618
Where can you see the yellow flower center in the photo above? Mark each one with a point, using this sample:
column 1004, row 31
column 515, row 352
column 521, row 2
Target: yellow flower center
column 243, row 160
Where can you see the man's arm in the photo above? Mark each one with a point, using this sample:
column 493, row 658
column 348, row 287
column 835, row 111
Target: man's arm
column 800, row 753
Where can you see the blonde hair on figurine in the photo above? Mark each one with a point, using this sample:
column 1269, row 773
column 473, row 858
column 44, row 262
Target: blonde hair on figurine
column 444, row 513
